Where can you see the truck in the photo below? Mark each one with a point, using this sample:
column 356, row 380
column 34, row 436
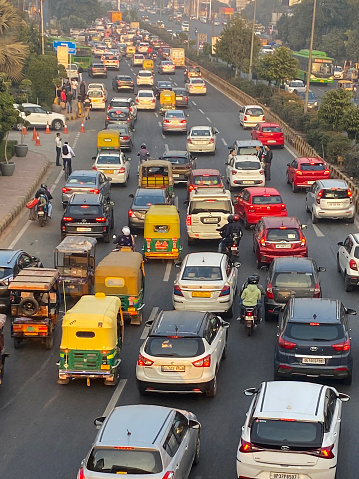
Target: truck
column 115, row 16
column 178, row 57
column 135, row 25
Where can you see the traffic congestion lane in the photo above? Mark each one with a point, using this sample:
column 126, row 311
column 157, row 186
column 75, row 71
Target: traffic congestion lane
column 71, row 409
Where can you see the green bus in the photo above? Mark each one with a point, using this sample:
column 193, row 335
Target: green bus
column 321, row 68
column 83, row 56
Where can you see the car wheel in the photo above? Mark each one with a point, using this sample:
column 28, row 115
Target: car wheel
column 347, row 286
column 229, row 312
column 294, row 188
column 49, row 342
column 198, row 449
column 56, row 125
column 190, row 241
column 350, row 220
column 107, row 238
column 306, row 207
column 338, row 264
column 17, row 343
column 258, row 261
column 212, row 391
column 314, row 218
column 245, row 223
column 348, row 380
column 288, row 182
column 141, row 389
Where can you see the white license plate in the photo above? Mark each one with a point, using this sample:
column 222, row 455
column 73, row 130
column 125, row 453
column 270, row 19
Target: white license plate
column 272, row 141
column 248, row 182
column 175, row 176
column 234, row 248
column 83, row 229
column 310, row 182
column 170, row 369
column 282, row 246
column 334, row 204
column 283, row 475
column 40, row 213
column 313, row 360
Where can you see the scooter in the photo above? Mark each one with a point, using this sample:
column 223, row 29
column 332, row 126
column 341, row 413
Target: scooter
column 232, row 250
column 250, row 318
column 42, row 210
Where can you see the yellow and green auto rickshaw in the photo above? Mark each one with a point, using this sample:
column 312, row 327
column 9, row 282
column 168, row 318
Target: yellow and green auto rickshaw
column 156, row 174
column 92, row 340
column 122, row 274
column 108, row 140
column 346, row 85
column 162, row 233
column 148, row 65
column 167, row 101
column 130, row 51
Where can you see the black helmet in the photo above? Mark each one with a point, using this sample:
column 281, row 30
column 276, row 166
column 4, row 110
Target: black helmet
column 230, row 219
column 43, row 185
column 253, row 279
column 143, row 146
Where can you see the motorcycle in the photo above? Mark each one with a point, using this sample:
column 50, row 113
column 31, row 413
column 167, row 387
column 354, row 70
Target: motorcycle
column 232, row 250
column 123, row 248
column 42, row 210
column 250, row 316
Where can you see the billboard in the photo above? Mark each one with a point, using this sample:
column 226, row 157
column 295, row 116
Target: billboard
column 63, row 55
column 71, row 46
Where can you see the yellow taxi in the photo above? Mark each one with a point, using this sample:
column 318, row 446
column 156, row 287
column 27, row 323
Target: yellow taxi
column 98, row 99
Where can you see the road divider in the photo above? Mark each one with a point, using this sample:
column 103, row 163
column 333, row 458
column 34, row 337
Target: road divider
column 117, row 393
column 150, row 318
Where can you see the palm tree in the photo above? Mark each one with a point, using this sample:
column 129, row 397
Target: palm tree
column 12, row 52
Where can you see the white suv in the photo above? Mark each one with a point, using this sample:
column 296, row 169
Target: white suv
column 291, row 431
column 244, row 170
column 348, row 261
column 38, row 116
column 250, row 116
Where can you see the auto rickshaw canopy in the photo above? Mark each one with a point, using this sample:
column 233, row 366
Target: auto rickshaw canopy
column 155, row 174
column 346, row 85
column 34, row 279
column 76, row 244
column 120, row 273
column 108, row 140
column 91, row 324
column 162, row 221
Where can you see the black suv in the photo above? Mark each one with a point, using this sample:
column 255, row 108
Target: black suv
column 11, row 263
column 120, row 115
column 89, row 215
column 123, row 82
column 313, row 340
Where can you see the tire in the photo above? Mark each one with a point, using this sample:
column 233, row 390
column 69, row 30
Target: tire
column 259, row 263
column 347, row 286
column 190, row 241
column 212, row 391
column 57, row 125
column 198, row 449
column 288, row 182
column 17, row 343
column 250, row 331
column 245, row 223
column 338, row 265
column 29, row 306
column 229, row 312
column 306, row 207
column 351, row 220
column 314, row 219
column 295, row 189
column 348, row 380
column 141, row 389
column 42, row 221
column 114, row 382
column 106, row 238
column 49, row 342
column 63, row 381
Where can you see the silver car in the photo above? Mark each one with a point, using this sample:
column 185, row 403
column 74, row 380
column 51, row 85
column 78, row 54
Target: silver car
column 86, row 181
column 144, row 442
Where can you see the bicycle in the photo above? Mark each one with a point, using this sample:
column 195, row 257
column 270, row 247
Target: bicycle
column 66, row 168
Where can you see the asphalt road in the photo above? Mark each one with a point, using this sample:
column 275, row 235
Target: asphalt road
column 46, row 429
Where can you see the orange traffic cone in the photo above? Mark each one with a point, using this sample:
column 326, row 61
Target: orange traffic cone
column 82, row 129
column 24, row 130
column 34, row 134
column 65, row 128
column 37, row 141
column 47, row 129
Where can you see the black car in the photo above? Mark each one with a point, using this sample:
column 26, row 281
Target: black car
column 120, row 115
column 89, row 215
column 12, row 261
column 97, row 70
column 161, row 86
column 290, row 276
column 123, row 83
column 182, row 163
column 314, row 340
column 141, row 202
column 181, row 97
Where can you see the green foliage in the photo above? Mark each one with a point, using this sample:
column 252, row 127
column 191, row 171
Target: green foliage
column 333, row 44
column 277, row 67
column 72, row 22
column 351, row 162
column 264, row 10
column 130, row 16
column 351, row 122
column 41, row 70
column 336, row 145
column 8, row 114
column 88, row 10
column 10, row 149
column 333, row 107
column 29, row 35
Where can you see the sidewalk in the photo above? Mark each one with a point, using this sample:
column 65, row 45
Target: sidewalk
column 17, row 190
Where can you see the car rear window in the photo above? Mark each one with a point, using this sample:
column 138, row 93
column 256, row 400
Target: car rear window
column 175, row 114
column 108, row 159
column 247, row 165
column 98, row 65
column 144, row 74
column 287, row 234
column 119, row 103
column 267, row 200
column 314, row 331
column 96, row 94
column 125, row 79
column 82, row 180
column 124, row 461
column 5, row 272
column 312, row 167
column 254, row 112
column 297, row 435
column 247, row 150
column 335, row 194
column 202, row 273
column 210, row 205
column 208, row 180
column 197, row 80
column 293, row 279
column 180, row 92
column 200, row 133
column 145, row 94
column 177, row 160
column 114, row 115
column 84, row 210
column 174, row 347
column 148, row 200
column 271, row 129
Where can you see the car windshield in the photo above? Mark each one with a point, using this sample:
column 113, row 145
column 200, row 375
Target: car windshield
column 247, row 150
column 293, row 279
column 314, row 331
column 271, row 129
column 254, row 112
column 177, row 160
column 146, row 94
column 96, row 94
column 180, row 92
column 283, row 234
column 82, row 180
column 267, row 200
column 297, row 435
column 83, row 210
column 312, row 167
column 202, row 273
column 210, row 205
column 207, row 180
column 5, row 272
column 335, row 194
column 124, row 461
column 195, row 80
column 108, row 159
column 247, row 165
column 148, row 200
column 200, row 133
column 174, row 347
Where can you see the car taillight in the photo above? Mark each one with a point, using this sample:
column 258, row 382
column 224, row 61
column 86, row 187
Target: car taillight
column 189, row 140
column 137, row 100
column 326, row 452
column 191, row 187
column 189, row 220
column 109, row 107
column 128, row 118
column 234, row 172
column 342, row 346
column 298, row 172
column 125, row 137
column 101, row 219
column 353, row 264
column 67, row 218
column 203, row 363
column 81, row 474
column 245, row 446
column 177, row 290
column 166, row 121
column 269, row 291
column 107, row 118
column 263, row 241
column 251, row 209
column 169, row 475
column 317, row 291
column 122, row 169
column 326, row 172
column 153, row 100
column 245, row 118
column 320, row 194
column 143, row 361
column 283, row 207
column 66, row 190
column 95, row 190
column 261, row 172
column 211, row 140
column 130, row 213
column 94, row 167
column 303, row 241
column 183, row 121
column 225, row 290
column 283, row 343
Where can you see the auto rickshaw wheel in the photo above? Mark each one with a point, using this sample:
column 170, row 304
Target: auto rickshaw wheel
column 17, row 343
column 29, row 306
column 49, row 342
column 115, row 379
column 63, row 381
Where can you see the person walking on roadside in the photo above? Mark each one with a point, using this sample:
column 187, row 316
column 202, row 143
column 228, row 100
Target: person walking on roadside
column 67, row 86
column 69, row 102
column 87, row 106
column 63, row 95
column 82, row 91
column 58, row 143
column 74, row 86
column 80, row 72
column 268, row 157
column 67, row 154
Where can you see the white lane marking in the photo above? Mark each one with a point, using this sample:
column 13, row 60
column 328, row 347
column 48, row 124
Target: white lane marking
column 117, row 393
column 317, row 230
column 193, row 103
column 224, row 142
column 156, row 114
column 163, row 136
column 201, row 111
column 159, row 123
column 356, row 222
column 208, row 119
column 290, row 151
column 175, row 83
column 166, row 277
column 75, row 140
column 166, row 147
column 150, row 318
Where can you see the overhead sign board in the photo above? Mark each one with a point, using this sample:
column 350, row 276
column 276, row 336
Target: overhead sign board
column 202, row 37
column 71, row 46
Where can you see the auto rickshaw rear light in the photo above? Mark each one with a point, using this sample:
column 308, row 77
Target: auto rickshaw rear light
column 269, row 291
column 17, row 327
column 189, row 220
column 67, row 218
column 101, row 219
column 143, row 361
column 177, row 290
column 203, row 363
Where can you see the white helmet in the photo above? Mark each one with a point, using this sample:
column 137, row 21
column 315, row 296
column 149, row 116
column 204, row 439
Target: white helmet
column 126, row 231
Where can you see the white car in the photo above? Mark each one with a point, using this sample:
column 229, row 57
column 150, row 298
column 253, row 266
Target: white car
column 185, row 27
column 38, row 116
column 202, row 139
column 250, row 116
column 182, row 352
column 291, row 431
column 98, row 99
column 97, row 86
column 244, row 170
column 338, row 72
column 144, row 77
column 196, row 86
column 206, row 282
column 145, row 100
column 297, row 85
column 348, row 261
column 143, row 47
column 137, row 60
column 113, row 164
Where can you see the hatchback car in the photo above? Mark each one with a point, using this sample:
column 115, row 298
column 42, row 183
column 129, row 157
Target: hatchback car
column 86, row 181
column 314, row 340
column 174, row 120
column 268, row 134
column 144, row 78
column 137, row 59
column 182, row 163
column 166, row 67
column 161, row 86
column 182, row 352
column 126, row 135
column 145, row 100
column 255, row 202
column 303, row 172
column 288, row 276
column 248, row 147
column 312, row 99
column 120, row 115
column 206, row 282
column 244, row 170
column 98, row 99
column 293, row 85
column 204, row 178
column 250, row 116
column 143, row 442
column 291, row 431
column 118, row 102
column 202, row 139
column 37, row 116
column 111, row 61
column 196, row 86
column 88, row 214
column 97, row 70
column 141, row 202
column 181, row 97
column 330, row 199
column 113, row 163
column 123, row 83
column 348, row 260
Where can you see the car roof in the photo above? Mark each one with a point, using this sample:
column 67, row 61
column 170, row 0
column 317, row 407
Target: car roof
column 178, row 322
column 7, row 256
column 85, row 198
column 30, row 104
column 278, row 221
column 310, row 160
column 240, row 143
column 84, row 173
column 320, row 310
column 204, row 259
column 205, row 171
column 199, row 127
column 150, row 192
column 293, row 263
column 333, row 183
column 246, row 158
column 291, row 400
column 355, row 237
column 110, row 152
column 263, row 125
column 252, row 106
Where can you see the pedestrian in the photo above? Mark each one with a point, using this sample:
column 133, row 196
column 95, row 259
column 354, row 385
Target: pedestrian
column 231, row 155
column 82, row 91
column 58, row 143
column 67, row 154
column 63, row 95
column 80, row 72
column 87, row 106
column 58, row 94
column 268, row 157
column 69, row 102
column 74, row 86
column 67, row 86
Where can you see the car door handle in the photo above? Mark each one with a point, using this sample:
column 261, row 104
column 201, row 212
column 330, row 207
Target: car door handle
column 186, row 448
column 177, row 467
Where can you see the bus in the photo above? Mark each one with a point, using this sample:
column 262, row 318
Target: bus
column 83, row 56
column 321, row 68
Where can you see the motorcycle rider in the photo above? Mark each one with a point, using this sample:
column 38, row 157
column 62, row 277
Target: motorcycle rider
column 227, row 232
column 125, row 239
column 251, row 296
column 44, row 192
column 144, row 154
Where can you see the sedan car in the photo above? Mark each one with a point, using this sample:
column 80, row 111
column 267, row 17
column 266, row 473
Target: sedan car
column 269, row 134
column 144, row 78
column 120, row 115
column 161, row 86
column 145, row 100
column 166, row 66
column 113, row 163
column 97, row 70
column 182, row 352
column 98, row 99
column 97, row 86
column 202, row 139
column 119, row 102
column 126, row 135
column 123, row 83
column 244, row 170
column 38, row 116
column 174, row 120
column 86, row 181
column 196, row 86
column 203, row 178
column 111, row 61
column 141, row 202
column 181, row 97
column 192, row 72
column 137, row 60
column 294, row 85
column 303, row 172
column 182, row 163
column 206, row 282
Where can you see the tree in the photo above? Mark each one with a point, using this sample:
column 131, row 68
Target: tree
column 234, row 45
column 41, row 70
column 351, row 122
column 264, row 10
column 88, row 10
column 333, row 44
column 333, row 107
column 8, row 114
column 278, row 67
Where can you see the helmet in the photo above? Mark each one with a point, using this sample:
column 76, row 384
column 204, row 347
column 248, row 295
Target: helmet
column 43, row 185
column 235, row 217
column 143, row 146
column 126, row 231
column 230, row 219
column 253, row 279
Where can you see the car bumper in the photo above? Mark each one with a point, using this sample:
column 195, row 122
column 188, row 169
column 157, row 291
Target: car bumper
column 174, row 128
column 269, row 257
column 245, row 183
column 334, row 214
column 146, row 106
column 251, row 124
column 201, row 148
column 288, row 370
column 67, row 374
column 136, row 222
column 269, row 142
column 181, row 102
column 189, row 387
column 99, row 74
column 98, row 106
column 144, row 83
column 215, row 305
column 96, row 231
column 208, row 235
column 197, row 92
column 125, row 87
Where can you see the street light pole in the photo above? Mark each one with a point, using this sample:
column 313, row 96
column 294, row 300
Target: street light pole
column 252, row 42
column 42, row 27
column 309, row 71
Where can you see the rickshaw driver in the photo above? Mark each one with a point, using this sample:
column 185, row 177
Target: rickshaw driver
column 125, row 239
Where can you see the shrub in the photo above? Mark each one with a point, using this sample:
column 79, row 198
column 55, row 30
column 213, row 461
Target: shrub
column 351, row 162
column 10, row 149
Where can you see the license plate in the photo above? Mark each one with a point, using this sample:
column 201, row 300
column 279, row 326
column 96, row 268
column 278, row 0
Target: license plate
column 272, row 141
column 313, row 360
column 333, row 204
column 283, row 475
column 170, row 369
column 210, row 220
column 109, row 171
column 201, row 294
column 175, row 176
column 281, row 246
column 83, row 229
column 30, row 329
column 179, row 98
column 248, row 182
column 40, row 213
column 234, row 248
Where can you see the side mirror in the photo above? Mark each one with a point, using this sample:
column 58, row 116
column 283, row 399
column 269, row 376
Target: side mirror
column 322, row 269
column 340, row 243
column 226, row 163
column 351, row 311
column 194, row 424
column 149, row 323
column 235, row 201
column 186, row 202
column 343, row 397
column 303, row 227
column 288, row 164
column 94, row 157
column 131, row 195
column 178, row 264
column 250, row 391
column 99, row 421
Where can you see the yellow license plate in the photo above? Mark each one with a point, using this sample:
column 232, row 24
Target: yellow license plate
column 105, row 366
column 201, row 294
column 109, row 171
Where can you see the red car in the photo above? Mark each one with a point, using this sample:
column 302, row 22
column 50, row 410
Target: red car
column 274, row 237
column 303, row 172
column 269, row 134
column 255, row 202
column 204, row 178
